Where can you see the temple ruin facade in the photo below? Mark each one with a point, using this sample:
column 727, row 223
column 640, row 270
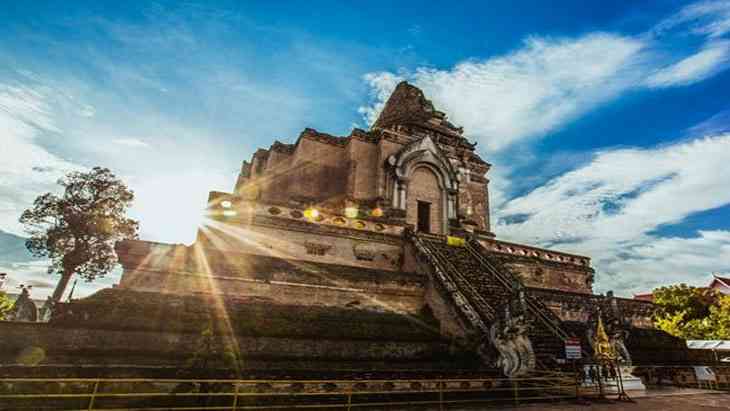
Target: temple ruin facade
column 372, row 251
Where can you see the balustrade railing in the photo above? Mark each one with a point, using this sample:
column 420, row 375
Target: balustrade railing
column 447, row 279
column 509, row 280
column 141, row 394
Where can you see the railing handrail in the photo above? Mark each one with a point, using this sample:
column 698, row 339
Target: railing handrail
column 535, row 309
column 466, row 284
column 560, row 386
column 477, row 322
column 549, row 375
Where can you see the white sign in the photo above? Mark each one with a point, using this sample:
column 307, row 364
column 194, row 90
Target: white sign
column 573, row 349
column 705, row 374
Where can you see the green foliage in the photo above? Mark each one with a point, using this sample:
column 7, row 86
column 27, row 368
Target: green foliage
column 78, row 230
column 210, row 354
column 720, row 319
column 692, row 313
column 5, row 305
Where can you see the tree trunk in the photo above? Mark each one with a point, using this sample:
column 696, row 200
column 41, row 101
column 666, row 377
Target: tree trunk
column 61, row 286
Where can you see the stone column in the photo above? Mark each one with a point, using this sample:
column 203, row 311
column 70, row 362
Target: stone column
column 395, row 195
column 451, row 206
column 402, row 195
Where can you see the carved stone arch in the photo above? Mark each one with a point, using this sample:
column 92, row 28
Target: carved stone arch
column 418, row 154
column 425, row 151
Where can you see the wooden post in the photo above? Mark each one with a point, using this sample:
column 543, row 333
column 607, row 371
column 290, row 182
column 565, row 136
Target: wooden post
column 349, row 397
column 441, row 395
column 577, row 380
column 93, row 395
column 601, row 394
column 235, row 396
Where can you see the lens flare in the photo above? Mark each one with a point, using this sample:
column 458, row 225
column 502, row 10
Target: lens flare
column 311, row 213
column 351, row 212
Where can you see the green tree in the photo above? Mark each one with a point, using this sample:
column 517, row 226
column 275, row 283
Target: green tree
column 213, row 354
column 78, row 230
column 210, row 355
column 692, row 312
column 719, row 319
column 5, row 305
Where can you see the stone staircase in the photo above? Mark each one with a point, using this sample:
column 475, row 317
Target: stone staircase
column 481, row 287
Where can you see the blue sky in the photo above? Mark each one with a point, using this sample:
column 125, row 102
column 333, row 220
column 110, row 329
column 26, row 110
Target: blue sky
column 607, row 122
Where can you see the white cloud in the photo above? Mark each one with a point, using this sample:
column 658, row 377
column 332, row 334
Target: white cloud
column 530, row 92
column 130, row 142
column 707, row 18
column 712, row 58
column 505, row 101
column 717, row 124
column 663, row 261
column 382, row 84
column 548, row 82
column 26, row 168
column 87, row 111
column 609, row 208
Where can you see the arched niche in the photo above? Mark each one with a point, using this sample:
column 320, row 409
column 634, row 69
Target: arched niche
column 424, row 155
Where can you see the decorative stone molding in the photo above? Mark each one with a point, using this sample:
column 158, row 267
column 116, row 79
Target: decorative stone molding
column 315, row 135
column 520, row 250
column 364, row 251
column 324, row 229
column 316, row 248
column 424, row 153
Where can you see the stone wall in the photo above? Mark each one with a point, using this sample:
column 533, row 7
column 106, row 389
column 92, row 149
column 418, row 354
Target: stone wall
column 71, row 345
column 578, row 306
column 131, row 327
column 285, row 230
column 363, row 156
column 181, row 270
column 543, row 268
column 474, row 205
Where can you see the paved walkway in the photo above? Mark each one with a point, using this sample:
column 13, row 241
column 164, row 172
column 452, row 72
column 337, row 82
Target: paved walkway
column 677, row 402
column 668, row 399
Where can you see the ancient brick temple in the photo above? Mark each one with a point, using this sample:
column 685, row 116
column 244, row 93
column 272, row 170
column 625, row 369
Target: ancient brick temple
column 370, row 251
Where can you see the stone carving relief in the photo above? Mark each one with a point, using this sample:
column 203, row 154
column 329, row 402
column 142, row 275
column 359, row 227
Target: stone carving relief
column 364, row 251
column 46, row 311
column 317, row 248
column 509, row 337
column 466, row 206
column 24, row 309
column 395, row 258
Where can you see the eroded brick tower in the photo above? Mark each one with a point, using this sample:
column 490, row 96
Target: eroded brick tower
column 380, row 239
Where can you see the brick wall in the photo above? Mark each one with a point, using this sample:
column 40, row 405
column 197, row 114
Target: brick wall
column 363, row 158
column 79, row 345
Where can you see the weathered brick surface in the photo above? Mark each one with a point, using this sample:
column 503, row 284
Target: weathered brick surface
column 100, row 346
column 278, row 275
column 364, row 169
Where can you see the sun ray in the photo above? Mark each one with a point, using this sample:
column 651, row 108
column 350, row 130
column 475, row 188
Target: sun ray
column 276, row 247
column 220, row 310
